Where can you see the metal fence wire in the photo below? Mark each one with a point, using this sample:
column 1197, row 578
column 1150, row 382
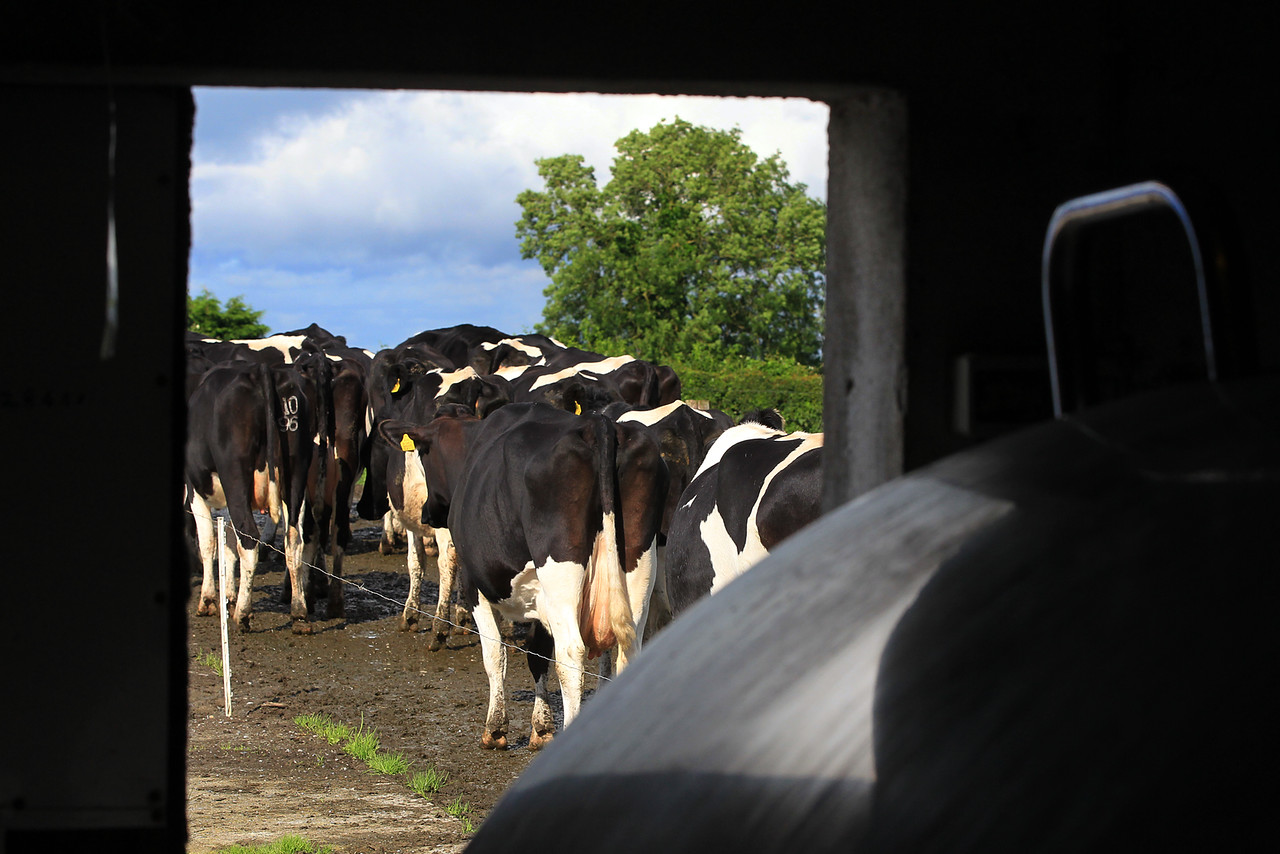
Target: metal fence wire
column 402, row 605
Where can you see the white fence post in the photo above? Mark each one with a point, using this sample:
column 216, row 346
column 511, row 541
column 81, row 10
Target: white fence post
column 222, row 610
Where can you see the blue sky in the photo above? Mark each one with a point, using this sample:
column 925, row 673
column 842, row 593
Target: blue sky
column 381, row 214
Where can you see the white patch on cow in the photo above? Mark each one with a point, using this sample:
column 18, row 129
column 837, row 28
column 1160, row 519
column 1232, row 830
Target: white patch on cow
column 526, row 595
column 724, row 553
column 450, row 378
column 556, row 605
column 415, row 492
column 517, row 344
column 282, row 343
column 649, row 417
column 217, row 498
column 641, row 582
column 602, row 367
column 731, row 437
column 368, row 420
column 510, row 372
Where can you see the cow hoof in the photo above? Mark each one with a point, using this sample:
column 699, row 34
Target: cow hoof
column 206, row 609
column 301, row 627
column 539, row 740
column 436, row 643
column 408, row 624
column 243, row 623
column 489, row 741
column 385, row 548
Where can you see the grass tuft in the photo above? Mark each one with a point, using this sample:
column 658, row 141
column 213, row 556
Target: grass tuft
column 290, row 844
column 393, row 764
column 461, row 810
column 363, row 745
column 210, row 659
column 427, row 782
column 323, row 725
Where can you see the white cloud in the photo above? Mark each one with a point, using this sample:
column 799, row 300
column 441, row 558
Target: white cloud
column 356, row 207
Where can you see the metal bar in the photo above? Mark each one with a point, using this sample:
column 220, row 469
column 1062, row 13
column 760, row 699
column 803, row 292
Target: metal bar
column 1100, row 207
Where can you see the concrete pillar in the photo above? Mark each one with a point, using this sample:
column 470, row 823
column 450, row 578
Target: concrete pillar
column 865, row 351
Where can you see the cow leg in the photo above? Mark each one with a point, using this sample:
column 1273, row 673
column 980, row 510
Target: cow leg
column 341, row 538
column 640, row 583
column 229, row 570
column 298, row 576
column 246, row 534
column 446, row 564
column 540, row 647
column 494, row 652
column 430, row 544
column 337, row 606
column 659, row 604
column 207, row 548
column 557, row 606
column 392, row 532
column 413, row 602
column 267, row 537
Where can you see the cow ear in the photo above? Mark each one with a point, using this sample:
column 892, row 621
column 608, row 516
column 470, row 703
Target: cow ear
column 403, row 436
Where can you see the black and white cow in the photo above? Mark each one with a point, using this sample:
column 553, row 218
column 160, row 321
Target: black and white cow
column 756, row 487
column 555, row 518
column 685, row 435
column 248, row 448
column 406, row 490
column 327, row 531
column 392, row 375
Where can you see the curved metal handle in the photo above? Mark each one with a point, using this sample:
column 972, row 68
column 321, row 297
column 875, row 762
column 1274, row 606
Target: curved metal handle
column 1112, row 204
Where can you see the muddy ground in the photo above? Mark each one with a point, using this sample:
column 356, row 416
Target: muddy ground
column 256, row 776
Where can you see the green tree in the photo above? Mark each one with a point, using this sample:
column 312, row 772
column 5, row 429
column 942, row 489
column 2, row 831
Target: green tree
column 205, row 314
column 695, row 246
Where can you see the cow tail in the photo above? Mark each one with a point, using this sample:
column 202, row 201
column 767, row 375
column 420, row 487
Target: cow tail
column 326, row 427
column 606, row 617
column 271, row 411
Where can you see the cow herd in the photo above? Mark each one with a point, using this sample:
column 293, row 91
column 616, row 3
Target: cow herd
column 563, row 488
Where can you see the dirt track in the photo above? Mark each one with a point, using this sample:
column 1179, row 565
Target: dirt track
column 257, row 776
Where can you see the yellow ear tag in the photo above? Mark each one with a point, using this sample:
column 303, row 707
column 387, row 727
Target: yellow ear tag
column 395, row 388
column 577, row 409
column 406, row 444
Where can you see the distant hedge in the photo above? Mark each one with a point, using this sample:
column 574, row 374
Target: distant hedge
column 737, row 384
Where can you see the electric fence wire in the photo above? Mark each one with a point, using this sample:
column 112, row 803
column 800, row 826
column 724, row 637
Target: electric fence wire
column 413, row 606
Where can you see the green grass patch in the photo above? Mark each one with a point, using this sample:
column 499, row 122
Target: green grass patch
column 363, row 744
column 428, row 782
column 284, row 845
column 323, row 725
column 392, row 764
column 210, row 659
column 461, row 810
